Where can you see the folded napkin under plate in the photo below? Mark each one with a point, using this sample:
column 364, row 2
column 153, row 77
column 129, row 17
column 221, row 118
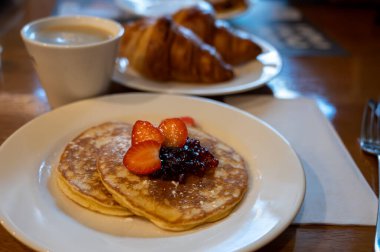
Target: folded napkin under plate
column 336, row 191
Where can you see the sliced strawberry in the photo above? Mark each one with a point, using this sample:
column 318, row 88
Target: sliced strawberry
column 143, row 158
column 189, row 121
column 143, row 131
column 174, row 131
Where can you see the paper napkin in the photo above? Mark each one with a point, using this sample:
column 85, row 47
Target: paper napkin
column 336, row 191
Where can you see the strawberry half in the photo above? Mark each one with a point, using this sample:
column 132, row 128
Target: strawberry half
column 143, row 131
column 143, row 158
column 189, row 121
column 174, row 131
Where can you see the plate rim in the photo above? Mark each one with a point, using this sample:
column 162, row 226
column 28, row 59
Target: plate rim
column 258, row 244
column 225, row 15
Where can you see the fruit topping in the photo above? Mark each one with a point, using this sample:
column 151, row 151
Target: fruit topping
column 143, row 158
column 177, row 163
column 174, row 131
column 166, row 152
column 189, row 121
column 143, row 131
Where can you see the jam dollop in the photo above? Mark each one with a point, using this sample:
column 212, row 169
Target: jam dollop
column 177, row 163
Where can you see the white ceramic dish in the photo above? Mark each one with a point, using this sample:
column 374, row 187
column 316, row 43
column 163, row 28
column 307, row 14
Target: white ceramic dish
column 248, row 76
column 154, row 8
column 31, row 210
column 231, row 13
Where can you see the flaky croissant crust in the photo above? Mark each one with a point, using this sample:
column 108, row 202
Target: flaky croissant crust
column 161, row 50
column 235, row 47
column 228, row 5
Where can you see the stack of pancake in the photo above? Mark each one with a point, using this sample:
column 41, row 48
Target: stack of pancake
column 92, row 174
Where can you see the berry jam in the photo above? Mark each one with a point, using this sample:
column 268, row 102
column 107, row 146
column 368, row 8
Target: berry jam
column 177, row 163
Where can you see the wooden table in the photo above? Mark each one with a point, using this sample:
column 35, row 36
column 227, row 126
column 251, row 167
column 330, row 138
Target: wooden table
column 342, row 83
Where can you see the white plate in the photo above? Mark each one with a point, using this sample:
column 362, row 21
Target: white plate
column 229, row 14
column 31, row 211
column 155, row 8
column 248, row 76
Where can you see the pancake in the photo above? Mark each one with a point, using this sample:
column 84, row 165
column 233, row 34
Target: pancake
column 169, row 204
column 78, row 177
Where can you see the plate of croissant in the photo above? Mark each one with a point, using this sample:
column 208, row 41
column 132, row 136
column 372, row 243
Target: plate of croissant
column 192, row 52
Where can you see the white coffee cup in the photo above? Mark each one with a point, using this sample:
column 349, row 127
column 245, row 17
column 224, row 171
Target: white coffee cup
column 74, row 56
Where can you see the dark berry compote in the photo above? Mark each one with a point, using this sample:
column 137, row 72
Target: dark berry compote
column 179, row 162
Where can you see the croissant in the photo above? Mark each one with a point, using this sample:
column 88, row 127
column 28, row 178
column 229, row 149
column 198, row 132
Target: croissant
column 235, row 47
column 228, row 5
column 161, row 50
